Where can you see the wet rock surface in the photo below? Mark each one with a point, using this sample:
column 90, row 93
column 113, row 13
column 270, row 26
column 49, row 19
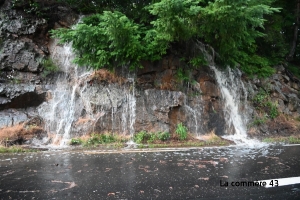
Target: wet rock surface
column 155, row 109
column 12, row 117
column 20, row 55
column 175, row 174
column 154, row 99
column 24, row 42
column 283, row 88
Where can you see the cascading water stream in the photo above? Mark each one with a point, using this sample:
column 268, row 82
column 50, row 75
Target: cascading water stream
column 231, row 95
column 74, row 99
column 59, row 112
column 194, row 117
column 131, row 109
column 232, row 88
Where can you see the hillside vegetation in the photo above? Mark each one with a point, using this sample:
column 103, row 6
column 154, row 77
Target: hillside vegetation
column 253, row 34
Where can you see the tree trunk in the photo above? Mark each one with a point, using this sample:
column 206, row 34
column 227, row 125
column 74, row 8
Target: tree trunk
column 295, row 38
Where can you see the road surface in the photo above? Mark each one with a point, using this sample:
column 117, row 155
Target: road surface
column 199, row 173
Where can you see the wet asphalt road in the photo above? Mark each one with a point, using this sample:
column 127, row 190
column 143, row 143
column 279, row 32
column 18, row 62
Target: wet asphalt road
column 181, row 174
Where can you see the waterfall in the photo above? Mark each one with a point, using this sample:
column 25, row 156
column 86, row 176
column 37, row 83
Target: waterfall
column 130, row 110
column 230, row 88
column 74, row 99
column 195, row 118
column 132, row 107
column 235, row 96
column 60, row 112
column 112, row 107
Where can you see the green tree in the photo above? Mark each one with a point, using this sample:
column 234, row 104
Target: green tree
column 176, row 19
column 232, row 27
column 105, row 40
column 112, row 38
column 295, row 6
column 276, row 43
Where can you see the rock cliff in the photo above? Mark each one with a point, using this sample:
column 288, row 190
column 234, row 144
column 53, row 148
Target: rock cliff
column 152, row 98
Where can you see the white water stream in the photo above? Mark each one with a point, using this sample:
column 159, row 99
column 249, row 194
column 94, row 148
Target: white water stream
column 60, row 111
column 129, row 112
column 72, row 95
column 63, row 108
column 235, row 109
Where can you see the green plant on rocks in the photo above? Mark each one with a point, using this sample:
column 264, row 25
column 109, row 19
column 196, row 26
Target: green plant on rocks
column 141, row 137
column 263, row 104
column 163, row 136
column 128, row 32
column 181, row 131
column 146, row 137
column 100, row 139
column 259, row 120
column 273, row 111
column 76, row 141
column 260, row 97
column 49, row 67
column 153, row 138
column 182, row 75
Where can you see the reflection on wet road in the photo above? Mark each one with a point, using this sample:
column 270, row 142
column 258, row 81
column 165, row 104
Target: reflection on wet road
column 183, row 174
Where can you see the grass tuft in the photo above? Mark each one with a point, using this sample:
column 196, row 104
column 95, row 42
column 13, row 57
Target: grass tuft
column 15, row 149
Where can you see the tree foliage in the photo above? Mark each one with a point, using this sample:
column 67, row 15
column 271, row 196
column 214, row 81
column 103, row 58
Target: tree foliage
column 105, row 40
column 176, row 19
column 231, row 26
column 126, row 32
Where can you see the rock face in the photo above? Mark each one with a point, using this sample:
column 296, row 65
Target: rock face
column 76, row 102
column 23, row 46
column 20, row 55
column 283, row 88
column 150, row 112
column 140, row 104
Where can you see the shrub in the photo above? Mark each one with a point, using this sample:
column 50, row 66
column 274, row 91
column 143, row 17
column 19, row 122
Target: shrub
column 76, row 141
column 144, row 136
column 163, row 136
column 141, row 137
column 182, row 75
column 96, row 139
column 92, row 141
column 152, row 137
column 273, row 111
column 107, row 138
column 49, row 67
column 260, row 97
column 181, row 131
column 264, row 105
